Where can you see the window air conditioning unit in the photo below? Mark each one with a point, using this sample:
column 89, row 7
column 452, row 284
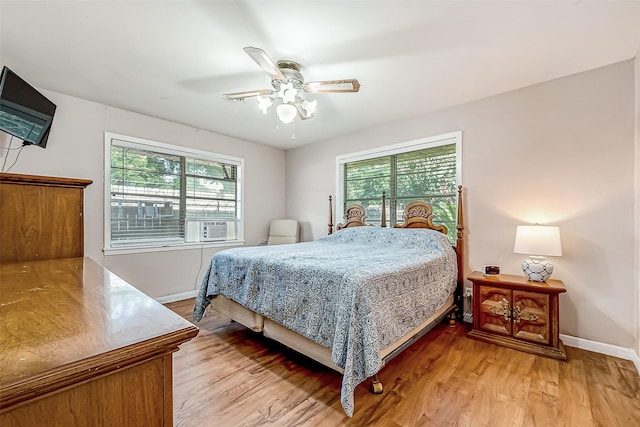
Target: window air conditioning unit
column 207, row 230
column 214, row 230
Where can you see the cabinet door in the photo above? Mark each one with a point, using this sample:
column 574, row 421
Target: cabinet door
column 531, row 317
column 40, row 222
column 494, row 309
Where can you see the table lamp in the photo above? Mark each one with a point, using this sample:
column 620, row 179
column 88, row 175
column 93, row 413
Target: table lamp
column 537, row 241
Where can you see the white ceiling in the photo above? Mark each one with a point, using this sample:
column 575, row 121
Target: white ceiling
column 174, row 59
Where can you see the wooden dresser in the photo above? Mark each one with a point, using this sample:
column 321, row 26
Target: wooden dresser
column 41, row 217
column 80, row 346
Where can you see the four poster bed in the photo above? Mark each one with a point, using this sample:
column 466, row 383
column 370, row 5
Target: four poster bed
column 352, row 300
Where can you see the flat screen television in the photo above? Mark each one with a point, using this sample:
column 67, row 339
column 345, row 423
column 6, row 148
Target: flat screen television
column 24, row 112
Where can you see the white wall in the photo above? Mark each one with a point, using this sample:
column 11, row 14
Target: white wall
column 559, row 153
column 637, row 208
column 75, row 149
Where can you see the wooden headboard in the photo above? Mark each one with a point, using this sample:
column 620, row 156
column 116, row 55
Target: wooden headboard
column 420, row 215
column 354, row 216
column 416, row 215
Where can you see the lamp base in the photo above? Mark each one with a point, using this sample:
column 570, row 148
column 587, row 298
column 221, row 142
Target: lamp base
column 537, row 268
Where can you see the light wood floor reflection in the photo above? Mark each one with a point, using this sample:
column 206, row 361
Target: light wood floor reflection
column 230, row 376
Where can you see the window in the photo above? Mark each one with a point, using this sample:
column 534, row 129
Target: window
column 427, row 170
column 159, row 196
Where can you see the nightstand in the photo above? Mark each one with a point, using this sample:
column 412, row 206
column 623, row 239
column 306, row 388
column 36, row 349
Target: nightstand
column 514, row 312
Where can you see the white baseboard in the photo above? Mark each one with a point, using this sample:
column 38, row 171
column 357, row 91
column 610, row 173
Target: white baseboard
column 598, row 347
column 177, row 297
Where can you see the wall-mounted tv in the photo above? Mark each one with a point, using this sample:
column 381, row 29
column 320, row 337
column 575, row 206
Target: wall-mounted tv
column 24, row 112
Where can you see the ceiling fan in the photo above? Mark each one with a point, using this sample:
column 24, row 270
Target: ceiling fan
column 288, row 88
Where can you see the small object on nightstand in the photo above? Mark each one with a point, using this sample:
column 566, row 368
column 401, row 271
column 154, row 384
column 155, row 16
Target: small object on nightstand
column 491, row 270
column 518, row 313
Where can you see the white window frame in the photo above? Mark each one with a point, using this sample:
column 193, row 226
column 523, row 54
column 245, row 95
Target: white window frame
column 145, row 144
column 389, row 150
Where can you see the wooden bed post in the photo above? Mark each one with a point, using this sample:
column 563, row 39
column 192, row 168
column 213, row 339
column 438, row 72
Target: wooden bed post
column 383, row 221
column 330, row 217
column 460, row 256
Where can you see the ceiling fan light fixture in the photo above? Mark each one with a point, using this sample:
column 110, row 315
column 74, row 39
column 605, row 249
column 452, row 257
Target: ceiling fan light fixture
column 309, row 107
column 288, row 88
column 287, row 93
column 264, row 103
column 289, row 96
column 286, row 112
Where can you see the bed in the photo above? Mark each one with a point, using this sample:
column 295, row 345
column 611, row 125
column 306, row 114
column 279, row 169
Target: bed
column 351, row 300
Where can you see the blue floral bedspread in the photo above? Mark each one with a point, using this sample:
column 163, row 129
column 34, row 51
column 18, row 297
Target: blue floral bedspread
column 355, row 292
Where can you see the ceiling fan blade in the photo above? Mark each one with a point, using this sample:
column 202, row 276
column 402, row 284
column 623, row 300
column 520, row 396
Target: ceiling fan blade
column 333, row 86
column 239, row 96
column 263, row 60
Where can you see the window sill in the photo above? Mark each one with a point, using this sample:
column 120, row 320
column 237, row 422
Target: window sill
column 170, row 247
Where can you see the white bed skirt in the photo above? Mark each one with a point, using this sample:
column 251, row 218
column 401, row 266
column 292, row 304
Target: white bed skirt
column 311, row 349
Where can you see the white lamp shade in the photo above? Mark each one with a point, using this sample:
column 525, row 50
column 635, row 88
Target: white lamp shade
column 538, row 240
column 286, row 112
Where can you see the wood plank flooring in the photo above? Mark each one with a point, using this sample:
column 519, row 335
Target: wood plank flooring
column 230, row 376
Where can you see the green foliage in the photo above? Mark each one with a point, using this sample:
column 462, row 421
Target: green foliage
column 144, row 169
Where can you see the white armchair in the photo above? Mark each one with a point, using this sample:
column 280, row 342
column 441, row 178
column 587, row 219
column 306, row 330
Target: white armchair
column 283, row 231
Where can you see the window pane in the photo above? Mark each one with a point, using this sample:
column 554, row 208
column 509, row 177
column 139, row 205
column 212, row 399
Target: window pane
column 199, row 208
column 424, row 172
column 210, row 169
column 427, row 175
column 145, row 191
column 364, row 183
column 369, row 168
column 141, row 218
column 198, row 187
column 369, row 190
column 149, row 204
column 144, row 172
column 366, row 180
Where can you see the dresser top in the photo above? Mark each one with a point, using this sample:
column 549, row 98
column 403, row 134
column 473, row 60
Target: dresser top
column 63, row 318
column 52, row 181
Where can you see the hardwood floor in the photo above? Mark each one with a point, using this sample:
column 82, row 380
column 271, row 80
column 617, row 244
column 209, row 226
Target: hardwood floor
column 230, row 376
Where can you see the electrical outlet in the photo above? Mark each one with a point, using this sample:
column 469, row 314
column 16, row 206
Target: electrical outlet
column 468, row 292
